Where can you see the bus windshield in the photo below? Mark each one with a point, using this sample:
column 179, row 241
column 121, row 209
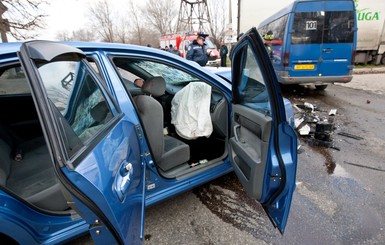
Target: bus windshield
column 323, row 27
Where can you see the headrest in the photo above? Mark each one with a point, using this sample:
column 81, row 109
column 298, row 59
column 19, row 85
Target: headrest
column 155, row 86
column 99, row 112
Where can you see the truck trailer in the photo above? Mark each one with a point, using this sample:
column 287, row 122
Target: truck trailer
column 371, row 32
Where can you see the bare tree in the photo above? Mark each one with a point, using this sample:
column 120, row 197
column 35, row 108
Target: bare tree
column 137, row 24
column 77, row 35
column 122, row 31
column 216, row 28
column 103, row 23
column 110, row 26
column 20, row 18
column 162, row 15
column 64, row 36
column 84, row 34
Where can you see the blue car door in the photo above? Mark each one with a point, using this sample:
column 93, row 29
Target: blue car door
column 95, row 148
column 263, row 146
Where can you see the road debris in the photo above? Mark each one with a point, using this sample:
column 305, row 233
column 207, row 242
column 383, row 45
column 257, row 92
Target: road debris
column 350, row 135
column 363, row 166
column 333, row 112
column 314, row 125
column 309, row 106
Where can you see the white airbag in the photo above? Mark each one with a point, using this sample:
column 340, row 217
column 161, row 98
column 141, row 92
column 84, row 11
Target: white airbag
column 190, row 111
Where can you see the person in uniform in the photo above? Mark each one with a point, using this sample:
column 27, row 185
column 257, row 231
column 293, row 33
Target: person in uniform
column 197, row 51
column 268, row 37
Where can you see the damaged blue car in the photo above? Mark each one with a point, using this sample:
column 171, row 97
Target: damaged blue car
column 85, row 149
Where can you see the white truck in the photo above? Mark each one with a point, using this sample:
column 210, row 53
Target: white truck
column 371, row 31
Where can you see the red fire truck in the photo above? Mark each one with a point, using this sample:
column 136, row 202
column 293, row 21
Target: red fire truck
column 182, row 42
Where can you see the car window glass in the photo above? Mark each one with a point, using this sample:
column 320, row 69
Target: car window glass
column 13, row 81
column 171, row 75
column 145, row 69
column 128, row 78
column 251, row 88
column 209, row 44
column 75, row 93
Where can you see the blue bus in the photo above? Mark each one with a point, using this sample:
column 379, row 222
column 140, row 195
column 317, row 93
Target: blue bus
column 313, row 42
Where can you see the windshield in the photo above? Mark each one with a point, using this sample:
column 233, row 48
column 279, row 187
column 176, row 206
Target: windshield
column 209, row 44
column 323, row 27
column 144, row 68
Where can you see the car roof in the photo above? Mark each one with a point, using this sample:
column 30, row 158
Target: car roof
column 8, row 51
column 13, row 47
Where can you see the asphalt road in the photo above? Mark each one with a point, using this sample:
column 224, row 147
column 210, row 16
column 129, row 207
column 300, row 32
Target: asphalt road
column 340, row 195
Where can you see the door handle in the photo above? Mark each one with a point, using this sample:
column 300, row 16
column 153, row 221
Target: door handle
column 123, row 179
column 236, row 127
column 327, row 50
column 127, row 177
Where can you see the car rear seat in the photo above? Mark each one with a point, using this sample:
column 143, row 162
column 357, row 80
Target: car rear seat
column 33, row 178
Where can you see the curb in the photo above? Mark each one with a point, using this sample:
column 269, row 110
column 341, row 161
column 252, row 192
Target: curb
column 373, row 70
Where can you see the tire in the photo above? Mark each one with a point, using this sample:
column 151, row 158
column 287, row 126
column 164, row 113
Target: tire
column 383, row 59
column 321, row 87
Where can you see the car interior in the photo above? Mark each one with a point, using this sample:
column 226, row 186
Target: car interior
column 162, row 83
column 26, row 170
column 25, row 164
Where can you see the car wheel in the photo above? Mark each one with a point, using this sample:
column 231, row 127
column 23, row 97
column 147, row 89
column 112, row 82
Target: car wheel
column 383, row 59
column 321, row 87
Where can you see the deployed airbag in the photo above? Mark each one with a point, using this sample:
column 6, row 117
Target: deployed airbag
column 190, row 111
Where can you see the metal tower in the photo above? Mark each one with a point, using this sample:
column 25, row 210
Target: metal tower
column 193, row 14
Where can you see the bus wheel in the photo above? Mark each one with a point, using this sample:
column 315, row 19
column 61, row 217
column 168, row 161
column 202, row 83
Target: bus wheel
column 321, row 87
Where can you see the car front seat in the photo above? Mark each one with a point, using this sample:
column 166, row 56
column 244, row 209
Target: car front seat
column 168, row 152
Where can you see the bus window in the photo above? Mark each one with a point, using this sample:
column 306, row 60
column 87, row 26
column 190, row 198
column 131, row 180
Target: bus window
column 278, row 27
column 323, row 27
column 308, row 27
column 339, row 27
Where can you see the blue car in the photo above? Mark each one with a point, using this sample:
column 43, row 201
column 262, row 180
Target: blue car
column 85, row 149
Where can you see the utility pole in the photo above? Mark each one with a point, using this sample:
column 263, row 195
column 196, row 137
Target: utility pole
column 193, row 13
column 4, row 25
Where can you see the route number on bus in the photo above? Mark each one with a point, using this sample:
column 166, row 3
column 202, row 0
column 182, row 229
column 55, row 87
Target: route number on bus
column 311, row 25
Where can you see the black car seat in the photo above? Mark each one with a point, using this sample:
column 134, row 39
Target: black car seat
column 32, row 178
column 168, row 152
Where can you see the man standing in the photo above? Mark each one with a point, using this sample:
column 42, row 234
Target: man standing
column 223, row 52
column 176, row 51
column 197, row 51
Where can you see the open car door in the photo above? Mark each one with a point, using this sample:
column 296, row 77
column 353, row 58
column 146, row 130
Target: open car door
column 94, row 147
column 263, row 147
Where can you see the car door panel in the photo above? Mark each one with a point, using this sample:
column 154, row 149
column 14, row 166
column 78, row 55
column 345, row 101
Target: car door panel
column 95, row 148
column 262, row 145
column 249, row 145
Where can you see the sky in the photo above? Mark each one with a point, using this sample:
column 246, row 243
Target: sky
column 70, row 15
